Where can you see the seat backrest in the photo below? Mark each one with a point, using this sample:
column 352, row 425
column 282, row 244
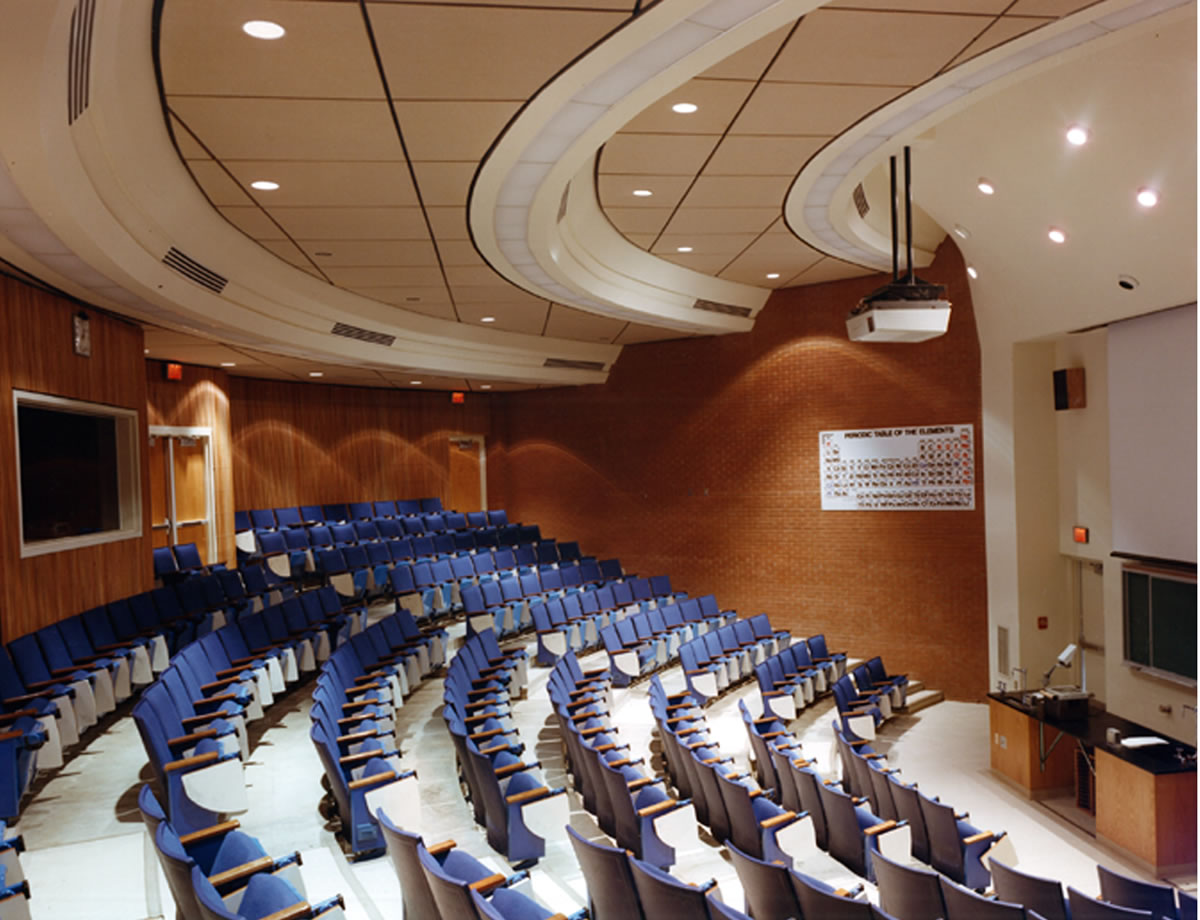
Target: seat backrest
column 1130, row 892
column 906, row 891
column 287, row 517
column 612, row 894
column 718, row 816
column 164, row 561
column 384, row 509
column 846, row 841
column 739, row 808
column 1086, row 908
column 402, row 849
column 820, row 900
column 964, row 904
column 663, row 896
column 177, row 867
column 768, row 890
column 807, row 787
column 262, row 519
column 188, row 556
column 361, row 511
column 882, row 802
column 945, row 843
column 334, row 513
column 908, row 807
column 1038, row 894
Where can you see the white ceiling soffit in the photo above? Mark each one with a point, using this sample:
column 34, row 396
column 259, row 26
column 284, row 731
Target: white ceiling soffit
column 533, row 211
column 820, row 207
column 93, row 197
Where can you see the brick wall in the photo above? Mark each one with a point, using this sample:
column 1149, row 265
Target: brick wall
column 698, row 458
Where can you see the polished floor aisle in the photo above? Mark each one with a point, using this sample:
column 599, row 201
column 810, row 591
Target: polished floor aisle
column 89, row 857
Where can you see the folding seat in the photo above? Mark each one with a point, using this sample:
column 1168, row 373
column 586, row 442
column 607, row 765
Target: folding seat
column 294, row 629
column 464, row 541
column 589, row 619
column 165, row 566
column 963, row 904
column 883, row 803
column 436, row 641
column 335, row 514
column 311, row 514
column 349, row 584
column 764, row 731
column 454, row 520
column 366, row 531
column 857, row 715
column 629, row 656
column 820, row 900
column 897, row 684
column 360, row 511
column 479, row 900
column 704, row 678
column 715, row 648
column 822, row 675
column 956, row 847
column 402, row 847
column 81, row 648
column 1187, row 906
column 649, row 823
column 23, row 734
column 530, row 533
column 524, row 555
column 757, row 825
column 431, row 505
column 733, row 648
column 413, row 526
column 401, row 550
column 262, row 519
column 160, row 611
column 273, row 548
column 505, row 560
column 821, row 654
column 476, row 519
column 241, row 521
column 713, row 613
column 497, row 517
column 237, row 687
column 49, row 704
column 266, row 896
column 187, row 556
column 433, row 601
column 908, row 892
column 719, row 910
column 1041, row 895
column 612, row 894
column 115, row 626
column 320, row 536
column 776, row 685
column 383, row 510
column 622, row 595
column 256, row 643
column 1083, row 907
column 288, row 518
column 264, row 586
column 689, row 609
column 568, row 551
column 389, row 529
column 225, row 855
column 547, row 552
column 569, row 573
column 639, row 589
column 379, row 559
column 433, row 523
column 343, row 535
column 443, row 544
column 408, row 507
column 509, row 535
column 761, row 624
column 379, row 661
column 423, row 547
column 234, row 589
column 59, row 660
column 92, row 685
column 855, row 833
column 1130, row 892
column 882, row 697
column 223, row 668
column 766, row 885
column 589, row 570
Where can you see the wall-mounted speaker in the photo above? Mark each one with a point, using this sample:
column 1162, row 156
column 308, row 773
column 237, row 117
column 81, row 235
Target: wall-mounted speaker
column 1069, row 392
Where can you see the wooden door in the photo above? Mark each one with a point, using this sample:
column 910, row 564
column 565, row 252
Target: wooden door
column 191, row 494
column 160, row 501
column 466, row 486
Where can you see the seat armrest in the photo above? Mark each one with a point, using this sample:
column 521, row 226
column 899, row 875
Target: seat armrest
column 488, row 883
column 880, row 828
column 978, row 838
column 373, row 780
column 664, row 805
column 527, row 795
column 207, row 833
column 438, row 849
column 188, row 762
column 239, row 873
column 778, row 820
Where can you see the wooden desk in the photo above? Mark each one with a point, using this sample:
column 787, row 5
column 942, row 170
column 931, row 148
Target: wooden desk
column 1145, row 801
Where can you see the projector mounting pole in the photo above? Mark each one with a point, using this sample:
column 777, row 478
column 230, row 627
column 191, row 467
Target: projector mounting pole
column 895, row 229
column 908, row 211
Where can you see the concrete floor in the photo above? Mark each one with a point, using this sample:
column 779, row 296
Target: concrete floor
column 89, row 857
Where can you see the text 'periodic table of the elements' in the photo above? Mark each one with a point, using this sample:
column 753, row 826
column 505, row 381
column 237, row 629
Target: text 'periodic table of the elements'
column 923, row 468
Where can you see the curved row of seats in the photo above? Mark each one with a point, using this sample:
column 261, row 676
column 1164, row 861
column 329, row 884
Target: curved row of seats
column 357, row 693
column 509, row 796
column 719, row 658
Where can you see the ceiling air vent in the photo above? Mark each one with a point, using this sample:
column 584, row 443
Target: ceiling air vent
column 363, row 335
column 569, row 363
column 860, row 201
column 194, row 271
column 713, row 307
column 79, row 59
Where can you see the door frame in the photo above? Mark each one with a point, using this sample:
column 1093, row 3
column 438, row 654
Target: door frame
column 482, row 442
column 210, row 500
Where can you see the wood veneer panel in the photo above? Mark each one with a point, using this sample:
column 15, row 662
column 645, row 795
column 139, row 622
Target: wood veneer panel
column 1016, row 756
column 303, row 443
column 1152, row 816
column 36, row 354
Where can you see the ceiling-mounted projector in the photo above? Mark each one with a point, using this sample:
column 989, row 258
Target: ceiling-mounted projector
column 900, row 312
column 908, row 310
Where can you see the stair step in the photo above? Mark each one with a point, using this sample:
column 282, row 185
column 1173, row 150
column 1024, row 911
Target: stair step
column 915, row 686
column 922, row 700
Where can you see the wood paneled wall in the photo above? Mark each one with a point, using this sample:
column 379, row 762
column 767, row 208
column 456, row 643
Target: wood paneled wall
column 699, row 459
column 200, row 400
column 36, row 354
column 304, row 443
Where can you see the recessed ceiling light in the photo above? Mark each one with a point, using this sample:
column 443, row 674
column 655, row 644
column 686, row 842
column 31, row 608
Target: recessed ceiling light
column 1127, row 282
column 264, row 185
column 986, row 187
column 772, row 275
column 485, row 386
column 228, row 364
column 1056, row 235
column 683, row 248
column 487, row 319
column 1147, row 197
column 316, row 373
column 684, row 108
column 1077, row 135
column 962, row 232
column 642, row 193
column 261, row 28
column 971, row 271
column 414, row 383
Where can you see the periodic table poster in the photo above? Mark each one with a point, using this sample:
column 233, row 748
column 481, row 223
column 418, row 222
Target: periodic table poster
column 926, row 468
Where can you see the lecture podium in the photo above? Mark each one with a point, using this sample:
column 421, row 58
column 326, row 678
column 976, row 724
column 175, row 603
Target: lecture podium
column 1145, row 798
